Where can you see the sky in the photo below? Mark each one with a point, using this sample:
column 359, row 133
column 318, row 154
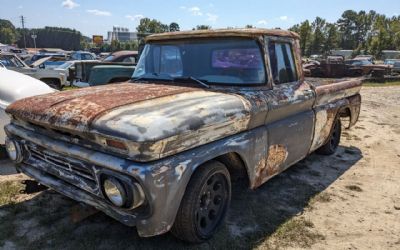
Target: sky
column 96, row 17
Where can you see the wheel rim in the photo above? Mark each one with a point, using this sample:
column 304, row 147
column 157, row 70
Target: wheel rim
column 212, row 204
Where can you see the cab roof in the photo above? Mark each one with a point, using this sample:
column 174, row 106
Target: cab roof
column 252, row 32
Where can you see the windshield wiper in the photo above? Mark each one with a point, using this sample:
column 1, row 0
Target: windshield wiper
column 194, row 79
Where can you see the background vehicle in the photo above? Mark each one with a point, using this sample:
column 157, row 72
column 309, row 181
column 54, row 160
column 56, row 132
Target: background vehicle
column 203, row 106
column 54, row 78
column 396, row 68
column 125, row 56
column 82, row 56
column 15, row 86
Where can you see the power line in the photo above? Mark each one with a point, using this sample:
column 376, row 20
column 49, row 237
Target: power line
column 23, row 29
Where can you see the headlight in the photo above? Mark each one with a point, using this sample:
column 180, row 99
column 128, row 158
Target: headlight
column 115, row 191
column 14, row 150
column 124, row 194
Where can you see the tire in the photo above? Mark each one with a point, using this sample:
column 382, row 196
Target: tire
column 3, row 153
column 333, row 140
column 53, row 83
column 204, row 204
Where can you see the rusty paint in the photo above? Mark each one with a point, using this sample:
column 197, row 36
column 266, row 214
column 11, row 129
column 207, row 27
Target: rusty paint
column 221, row 33
column 270, row 165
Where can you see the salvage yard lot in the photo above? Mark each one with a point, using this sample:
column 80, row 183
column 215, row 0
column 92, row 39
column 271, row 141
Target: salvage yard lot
column 350, row 200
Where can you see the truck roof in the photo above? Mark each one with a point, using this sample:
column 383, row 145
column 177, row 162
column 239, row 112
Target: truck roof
column 252, row 32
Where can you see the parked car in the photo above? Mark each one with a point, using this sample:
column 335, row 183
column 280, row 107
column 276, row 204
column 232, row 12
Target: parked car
column 365, row 57
column 54, row 78
column 203, row 109
column 396, row 68
column 125, row 56
column 15, row 86
column 82, row 56
column 390, row 61
column 366, row 67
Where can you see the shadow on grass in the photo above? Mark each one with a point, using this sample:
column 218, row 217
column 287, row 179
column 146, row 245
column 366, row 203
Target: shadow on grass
column 43, row 221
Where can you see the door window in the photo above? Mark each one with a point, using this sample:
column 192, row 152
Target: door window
column 282, row 62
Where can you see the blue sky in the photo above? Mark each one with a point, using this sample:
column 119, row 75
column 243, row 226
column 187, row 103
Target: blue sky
column 97, row 17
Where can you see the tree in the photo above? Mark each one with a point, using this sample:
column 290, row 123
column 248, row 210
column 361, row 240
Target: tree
column 202, row 27
column 149, row 26
column 318, row 39
column 8, row 34
column 249, row 26
column 174, row 27
column 332, row 38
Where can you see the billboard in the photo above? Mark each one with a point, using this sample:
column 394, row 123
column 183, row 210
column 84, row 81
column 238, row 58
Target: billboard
column 98, row 40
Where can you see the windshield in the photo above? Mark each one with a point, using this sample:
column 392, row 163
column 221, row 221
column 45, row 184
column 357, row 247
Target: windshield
column 224, row 61
column 109, row 58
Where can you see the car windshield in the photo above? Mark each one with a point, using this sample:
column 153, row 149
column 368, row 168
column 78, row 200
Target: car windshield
column 218, row 61
column 109, row 58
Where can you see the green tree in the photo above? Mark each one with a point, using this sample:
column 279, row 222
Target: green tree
column 174, row 27
column 318, row 38
column 8, row 34
column 202, row 27
column 149, row 26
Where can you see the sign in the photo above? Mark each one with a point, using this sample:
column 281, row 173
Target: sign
column 34, row 36
column 98, row 40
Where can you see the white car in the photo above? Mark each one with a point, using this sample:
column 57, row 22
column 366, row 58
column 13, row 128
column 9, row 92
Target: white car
column 15, row 86
column 53, row 77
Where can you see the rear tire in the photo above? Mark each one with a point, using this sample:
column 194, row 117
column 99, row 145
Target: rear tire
column 333, row 141
column 204, row 204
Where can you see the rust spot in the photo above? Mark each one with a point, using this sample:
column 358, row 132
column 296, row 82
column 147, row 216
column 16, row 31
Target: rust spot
column 271, row 165
column 75, row 110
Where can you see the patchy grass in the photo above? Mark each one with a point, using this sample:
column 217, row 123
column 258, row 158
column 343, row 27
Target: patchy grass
column 296, row 232
column 354, row 188
column 381, row 84
column 9, row 191
column 321, row 197
column 69, row 88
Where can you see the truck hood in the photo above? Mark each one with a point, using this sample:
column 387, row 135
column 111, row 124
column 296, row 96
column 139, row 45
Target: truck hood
column 155, row 120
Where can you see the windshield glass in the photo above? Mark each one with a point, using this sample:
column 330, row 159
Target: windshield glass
column 224, row 61
column 109, row 58
column 65, row 65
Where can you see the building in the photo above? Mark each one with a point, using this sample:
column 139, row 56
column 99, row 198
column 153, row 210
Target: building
column 121, row 34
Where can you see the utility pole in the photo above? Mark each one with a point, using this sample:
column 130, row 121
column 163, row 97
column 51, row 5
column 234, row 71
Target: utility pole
column 34, row 36
column 23, row 28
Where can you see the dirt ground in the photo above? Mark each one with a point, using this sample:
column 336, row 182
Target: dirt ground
column 350, row 200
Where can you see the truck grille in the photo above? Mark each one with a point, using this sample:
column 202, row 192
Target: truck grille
column 73, row 171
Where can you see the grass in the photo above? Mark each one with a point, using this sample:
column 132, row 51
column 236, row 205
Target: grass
column 9, row 190
column 354, row 188
column 296, row 232
column 379, row 84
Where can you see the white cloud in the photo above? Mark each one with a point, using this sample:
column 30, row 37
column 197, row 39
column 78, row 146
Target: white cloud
column 182, row 7
column 135, row 17
column 211, row 17
column 99, row 12
column 262, row 22
column 20, row 7
column 283, row 18
column 69, row 4
column 195, row 11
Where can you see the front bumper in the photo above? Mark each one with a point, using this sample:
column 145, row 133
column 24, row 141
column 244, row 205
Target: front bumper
column 162, row 186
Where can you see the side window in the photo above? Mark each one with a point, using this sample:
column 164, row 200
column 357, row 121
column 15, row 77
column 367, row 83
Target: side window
column 129, row 59
column 282, row 62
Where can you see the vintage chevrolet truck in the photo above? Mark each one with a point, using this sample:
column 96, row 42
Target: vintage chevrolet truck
column 203, row 108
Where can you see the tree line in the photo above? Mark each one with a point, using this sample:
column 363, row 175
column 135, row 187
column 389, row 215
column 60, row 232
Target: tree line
column 363, row 32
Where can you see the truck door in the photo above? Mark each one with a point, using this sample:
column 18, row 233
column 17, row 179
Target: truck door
column 290, row 119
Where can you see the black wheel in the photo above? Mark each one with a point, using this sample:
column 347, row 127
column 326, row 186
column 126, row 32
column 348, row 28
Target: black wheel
column 204, row 204
column 3, row 153
column 333, row 141
column 53, row 83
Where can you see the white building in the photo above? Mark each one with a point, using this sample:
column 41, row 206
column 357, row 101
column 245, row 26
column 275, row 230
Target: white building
column 121, row 34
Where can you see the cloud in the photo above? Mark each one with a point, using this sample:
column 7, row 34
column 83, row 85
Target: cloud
column 182, row 7
column 69, row 4
column 20, row 7
column 99, row 12
column 262, row 22
column 195, row 11
column 283, row 18
column 134, row 18
column 211, row 17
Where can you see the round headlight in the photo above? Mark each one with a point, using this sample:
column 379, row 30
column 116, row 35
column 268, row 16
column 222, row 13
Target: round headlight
column 114, row 191
column 14, row 150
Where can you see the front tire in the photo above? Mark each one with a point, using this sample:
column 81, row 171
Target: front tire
column 204, row 204
column 333, row 141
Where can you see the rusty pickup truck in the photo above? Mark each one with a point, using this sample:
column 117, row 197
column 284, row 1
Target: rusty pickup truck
column 203, row 108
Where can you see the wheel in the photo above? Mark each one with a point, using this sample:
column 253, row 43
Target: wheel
column 333, row 141
column 3, row 153
column 204, row 204
column 53, row 83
